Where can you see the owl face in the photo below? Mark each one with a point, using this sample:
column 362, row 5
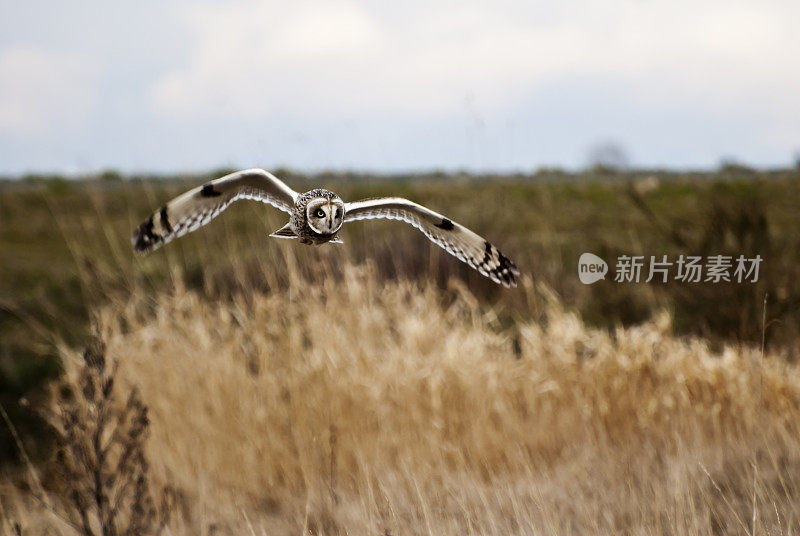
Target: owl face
column 325, row 215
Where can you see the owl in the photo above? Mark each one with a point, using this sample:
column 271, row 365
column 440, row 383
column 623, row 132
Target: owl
column 315, row 217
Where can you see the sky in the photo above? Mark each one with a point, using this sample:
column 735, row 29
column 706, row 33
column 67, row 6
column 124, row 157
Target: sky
column 507, row 85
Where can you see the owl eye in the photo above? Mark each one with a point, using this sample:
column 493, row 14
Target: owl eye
column 320, row 213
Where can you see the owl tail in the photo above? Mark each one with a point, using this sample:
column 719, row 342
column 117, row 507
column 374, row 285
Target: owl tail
column 284, row 232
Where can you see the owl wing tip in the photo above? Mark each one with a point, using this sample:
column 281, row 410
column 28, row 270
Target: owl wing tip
column 144, row 239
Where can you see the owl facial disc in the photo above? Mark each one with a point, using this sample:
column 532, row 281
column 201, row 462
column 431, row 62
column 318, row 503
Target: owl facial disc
column 325, row 215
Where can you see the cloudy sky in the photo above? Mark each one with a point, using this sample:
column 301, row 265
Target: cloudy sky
column 312, row 84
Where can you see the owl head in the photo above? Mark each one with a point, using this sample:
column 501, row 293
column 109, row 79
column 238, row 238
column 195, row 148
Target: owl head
column 325, row 213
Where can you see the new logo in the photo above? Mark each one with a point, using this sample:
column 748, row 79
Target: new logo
column 591, row 268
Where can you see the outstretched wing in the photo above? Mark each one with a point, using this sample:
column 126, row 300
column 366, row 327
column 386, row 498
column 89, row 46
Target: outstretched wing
column 454, row 238
column 200, row 205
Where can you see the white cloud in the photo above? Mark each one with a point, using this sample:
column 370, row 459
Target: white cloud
column 419, row 83
column 259, row 57
column 41, row 90
column 348, row 58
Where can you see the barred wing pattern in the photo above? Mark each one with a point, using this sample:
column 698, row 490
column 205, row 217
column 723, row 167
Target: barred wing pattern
column 447, row 234
column 200, row 205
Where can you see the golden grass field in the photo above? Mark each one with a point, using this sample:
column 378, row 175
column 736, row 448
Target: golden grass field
column 353, row 406
column 331, row 399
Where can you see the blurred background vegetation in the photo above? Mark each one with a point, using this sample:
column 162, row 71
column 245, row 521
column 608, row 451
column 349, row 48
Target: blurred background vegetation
column 65, row 250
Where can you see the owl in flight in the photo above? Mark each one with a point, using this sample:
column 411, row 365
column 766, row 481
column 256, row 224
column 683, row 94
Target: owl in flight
column 315, row 217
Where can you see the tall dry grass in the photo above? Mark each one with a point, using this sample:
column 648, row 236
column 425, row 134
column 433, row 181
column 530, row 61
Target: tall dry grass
column 347, row 404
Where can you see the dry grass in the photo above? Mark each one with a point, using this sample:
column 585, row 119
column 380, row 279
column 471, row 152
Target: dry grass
column 345, row 404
